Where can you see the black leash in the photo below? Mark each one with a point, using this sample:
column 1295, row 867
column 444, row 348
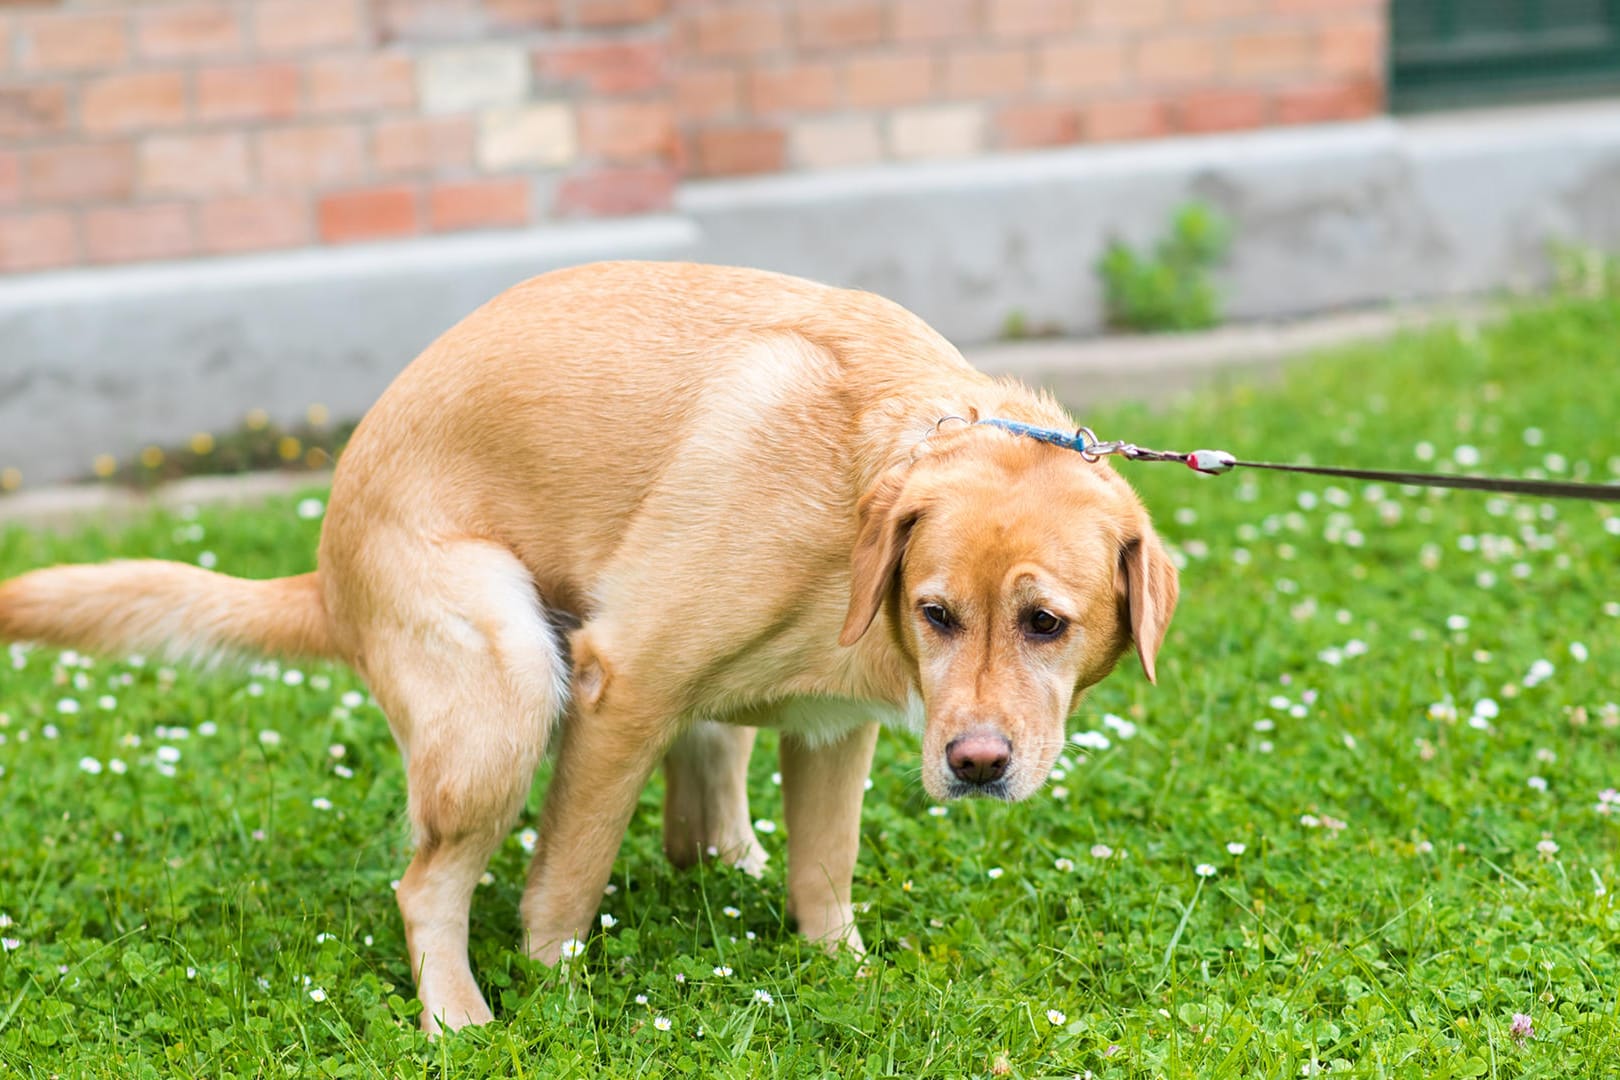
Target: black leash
column 1215, row 462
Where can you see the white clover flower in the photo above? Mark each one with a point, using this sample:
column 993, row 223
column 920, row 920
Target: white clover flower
column 1547, row 848
column 1538, row 783
column 1101, row 851
column 1424, row 847
column 661, row 1023
column 269, row 738
column 336, row 750
column 1119, row 726
column 1054, row 1017
column 1063, row 865
column 168, row 754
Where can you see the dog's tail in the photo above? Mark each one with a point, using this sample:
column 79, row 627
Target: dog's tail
column 166, row 608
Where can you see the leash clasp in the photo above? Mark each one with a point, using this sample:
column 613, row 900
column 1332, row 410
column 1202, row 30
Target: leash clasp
column 1210, row 462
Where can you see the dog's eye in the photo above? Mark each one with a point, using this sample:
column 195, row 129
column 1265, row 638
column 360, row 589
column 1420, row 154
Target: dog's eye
column 1043, row 624
column 939, row 618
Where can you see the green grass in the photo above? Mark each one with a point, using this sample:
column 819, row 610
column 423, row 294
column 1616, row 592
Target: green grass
column 172, row 918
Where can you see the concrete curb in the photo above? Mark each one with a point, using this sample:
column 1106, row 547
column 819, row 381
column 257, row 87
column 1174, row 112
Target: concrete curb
column 1159, row 368
column 1155, row 368
column 71, row 505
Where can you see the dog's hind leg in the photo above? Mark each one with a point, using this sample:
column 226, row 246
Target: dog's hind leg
column 706, row 797
column 463, row 661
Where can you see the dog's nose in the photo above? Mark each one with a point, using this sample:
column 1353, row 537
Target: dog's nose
column 978, row 758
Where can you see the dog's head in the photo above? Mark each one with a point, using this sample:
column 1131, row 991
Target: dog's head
column 1014, row 575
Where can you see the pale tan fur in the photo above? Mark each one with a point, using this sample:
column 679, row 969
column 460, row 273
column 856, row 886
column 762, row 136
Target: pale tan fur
column 651, row 506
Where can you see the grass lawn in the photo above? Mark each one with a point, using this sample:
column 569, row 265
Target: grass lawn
column 1360, row 825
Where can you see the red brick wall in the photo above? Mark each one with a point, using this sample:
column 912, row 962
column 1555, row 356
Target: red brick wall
column 152, row 129
column 804, row 84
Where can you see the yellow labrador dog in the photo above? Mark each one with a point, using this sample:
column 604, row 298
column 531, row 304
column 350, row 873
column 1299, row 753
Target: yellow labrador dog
column 640, row 509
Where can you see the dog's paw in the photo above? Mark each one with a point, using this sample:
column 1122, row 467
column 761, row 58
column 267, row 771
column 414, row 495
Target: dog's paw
column 751, row 859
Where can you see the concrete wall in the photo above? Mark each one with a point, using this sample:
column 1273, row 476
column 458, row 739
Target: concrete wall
column 1354, row 214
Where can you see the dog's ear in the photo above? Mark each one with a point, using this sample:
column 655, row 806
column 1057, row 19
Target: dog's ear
column 1150, row 586
column 883, row 527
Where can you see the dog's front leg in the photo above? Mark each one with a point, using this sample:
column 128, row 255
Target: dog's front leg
column 822, row 786
column 609, row 748
column 706, row 798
